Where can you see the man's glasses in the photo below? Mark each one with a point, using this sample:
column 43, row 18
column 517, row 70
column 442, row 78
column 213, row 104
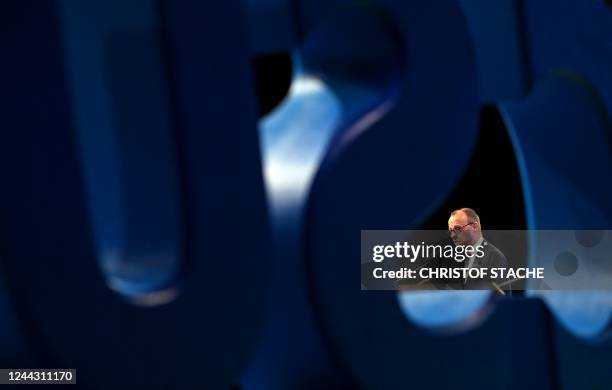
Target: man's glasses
column 458, row 229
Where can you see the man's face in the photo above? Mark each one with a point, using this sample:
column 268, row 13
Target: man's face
column 462, row 232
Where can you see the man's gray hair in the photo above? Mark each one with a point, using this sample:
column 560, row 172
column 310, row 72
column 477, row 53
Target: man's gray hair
column 471, row 214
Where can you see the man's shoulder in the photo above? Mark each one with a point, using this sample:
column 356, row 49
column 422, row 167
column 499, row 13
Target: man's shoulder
column 488, row 247
column 493, row 255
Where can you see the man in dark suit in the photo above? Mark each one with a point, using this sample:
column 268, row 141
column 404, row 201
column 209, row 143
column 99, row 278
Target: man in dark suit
column 465, row 229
